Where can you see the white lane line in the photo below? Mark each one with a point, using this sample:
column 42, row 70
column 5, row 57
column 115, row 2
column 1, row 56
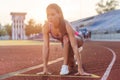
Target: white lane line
column 107, row 72
column 11, row 74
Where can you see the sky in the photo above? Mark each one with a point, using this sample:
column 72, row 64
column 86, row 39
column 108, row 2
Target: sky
column 36, row 9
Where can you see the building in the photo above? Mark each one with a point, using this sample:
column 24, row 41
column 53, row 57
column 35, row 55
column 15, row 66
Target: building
column 18, row 26
column 1, row 27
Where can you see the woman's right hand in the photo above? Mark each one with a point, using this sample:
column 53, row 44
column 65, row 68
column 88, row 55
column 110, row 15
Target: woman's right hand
column 45, row 72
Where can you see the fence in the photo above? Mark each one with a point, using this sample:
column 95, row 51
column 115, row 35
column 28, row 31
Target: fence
column 4, row 37
column 110, row 36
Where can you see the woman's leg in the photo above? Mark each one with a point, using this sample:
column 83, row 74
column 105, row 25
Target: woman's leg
column 64, row 69
column 65, row 52
column 68, row 55
column 71, row 60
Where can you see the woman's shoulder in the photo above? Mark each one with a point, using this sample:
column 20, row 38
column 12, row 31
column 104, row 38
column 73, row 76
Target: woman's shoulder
column 68, row 24
column 66, row 21
column 45, row 25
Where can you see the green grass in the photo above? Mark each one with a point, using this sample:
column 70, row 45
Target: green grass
column 22, row 42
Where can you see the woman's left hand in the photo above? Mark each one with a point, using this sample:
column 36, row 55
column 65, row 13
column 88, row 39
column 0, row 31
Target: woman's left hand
column 83, row 74
column 44, row 73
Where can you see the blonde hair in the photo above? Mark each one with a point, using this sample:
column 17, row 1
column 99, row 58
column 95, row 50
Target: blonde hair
column 59, row 11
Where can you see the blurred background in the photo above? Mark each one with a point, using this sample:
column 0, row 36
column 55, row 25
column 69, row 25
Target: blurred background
column 96, row 19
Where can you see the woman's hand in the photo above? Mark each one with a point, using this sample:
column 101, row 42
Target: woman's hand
column 81, row 72
column 44, row 73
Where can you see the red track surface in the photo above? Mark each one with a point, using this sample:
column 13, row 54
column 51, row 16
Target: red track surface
column 95, row 58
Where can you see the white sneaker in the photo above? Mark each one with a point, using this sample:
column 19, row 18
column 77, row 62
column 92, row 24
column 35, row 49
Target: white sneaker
column 64, row 70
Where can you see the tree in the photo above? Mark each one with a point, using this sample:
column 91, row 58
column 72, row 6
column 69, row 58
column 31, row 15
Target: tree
column 107, row 5
column 2, row 32
column 8, row 29
column 38, row 28
column 29, row 29
column 32, row 28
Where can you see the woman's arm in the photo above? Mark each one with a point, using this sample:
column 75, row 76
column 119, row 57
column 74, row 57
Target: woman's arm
column 74, row 45
column 45, row 51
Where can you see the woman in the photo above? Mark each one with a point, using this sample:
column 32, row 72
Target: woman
column 62, row 30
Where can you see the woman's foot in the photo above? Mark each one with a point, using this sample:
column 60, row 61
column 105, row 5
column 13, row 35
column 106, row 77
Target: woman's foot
column 64, row 70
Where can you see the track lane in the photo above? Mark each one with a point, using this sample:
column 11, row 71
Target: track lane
column 93, row 65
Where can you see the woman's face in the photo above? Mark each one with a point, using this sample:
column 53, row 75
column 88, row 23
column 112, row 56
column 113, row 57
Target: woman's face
column 53, row 16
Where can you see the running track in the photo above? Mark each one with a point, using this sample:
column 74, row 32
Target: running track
column 101, row 58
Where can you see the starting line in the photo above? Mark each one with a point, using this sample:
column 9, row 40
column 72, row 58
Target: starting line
column 67, row 76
